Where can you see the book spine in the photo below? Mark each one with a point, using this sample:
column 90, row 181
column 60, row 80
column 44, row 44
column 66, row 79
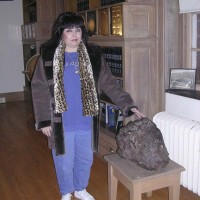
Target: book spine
column 111, row 115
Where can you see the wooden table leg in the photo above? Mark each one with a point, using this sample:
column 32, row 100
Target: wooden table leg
column 112, row 184
column 174, row 190
column 135, row 192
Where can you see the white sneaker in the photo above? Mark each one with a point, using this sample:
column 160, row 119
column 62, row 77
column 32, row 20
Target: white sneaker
column 66, row 196
column 83, row 195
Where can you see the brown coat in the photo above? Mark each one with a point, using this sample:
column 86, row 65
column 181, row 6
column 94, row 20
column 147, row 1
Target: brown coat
column 43, row 98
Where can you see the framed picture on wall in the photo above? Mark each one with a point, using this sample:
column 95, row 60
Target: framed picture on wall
column 182, row 79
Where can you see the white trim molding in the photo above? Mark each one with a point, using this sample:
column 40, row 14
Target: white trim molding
column 188, row 6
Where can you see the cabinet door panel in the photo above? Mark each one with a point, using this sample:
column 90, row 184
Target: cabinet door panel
column 139, row 21
column 140, row 75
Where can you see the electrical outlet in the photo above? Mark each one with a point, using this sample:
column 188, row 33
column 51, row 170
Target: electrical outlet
column 2, row 100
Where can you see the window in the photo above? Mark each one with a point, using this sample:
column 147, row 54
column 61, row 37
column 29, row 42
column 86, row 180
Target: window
column 195, row 44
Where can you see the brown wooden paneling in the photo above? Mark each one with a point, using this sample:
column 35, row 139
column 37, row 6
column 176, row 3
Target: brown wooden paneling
column 59, row 5
column 45, row 10
column 70, row 6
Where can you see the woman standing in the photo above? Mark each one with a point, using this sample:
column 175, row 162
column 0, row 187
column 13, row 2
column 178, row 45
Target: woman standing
column 65, row 90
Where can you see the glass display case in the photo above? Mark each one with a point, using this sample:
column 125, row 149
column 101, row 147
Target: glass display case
column 103, row 22
column 91, row 22
column 116, row 20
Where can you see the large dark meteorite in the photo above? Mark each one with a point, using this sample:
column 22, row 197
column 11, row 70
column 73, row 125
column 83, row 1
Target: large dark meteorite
column 142, row 142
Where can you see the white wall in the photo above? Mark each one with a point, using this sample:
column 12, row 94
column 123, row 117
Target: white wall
column 11, row 52
column 174, row 106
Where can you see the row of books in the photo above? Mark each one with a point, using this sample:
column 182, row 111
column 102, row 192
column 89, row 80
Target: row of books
column 28, row 31
column 82, row 5
column 111, row 116
column 110, row 2
column 113, row 56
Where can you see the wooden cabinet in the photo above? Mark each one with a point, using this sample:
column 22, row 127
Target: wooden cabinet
column 136, row 33
column 39, row 16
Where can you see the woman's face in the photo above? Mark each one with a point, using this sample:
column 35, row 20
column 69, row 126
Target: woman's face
column 72, row 37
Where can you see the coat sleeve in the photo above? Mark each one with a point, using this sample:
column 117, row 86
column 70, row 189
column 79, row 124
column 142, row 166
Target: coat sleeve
column 110, row 86
column 40, row 96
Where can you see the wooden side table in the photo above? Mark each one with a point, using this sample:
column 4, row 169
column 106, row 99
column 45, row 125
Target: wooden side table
column 139, row 180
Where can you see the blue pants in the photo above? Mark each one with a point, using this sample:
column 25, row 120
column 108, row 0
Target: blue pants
column 73, row 168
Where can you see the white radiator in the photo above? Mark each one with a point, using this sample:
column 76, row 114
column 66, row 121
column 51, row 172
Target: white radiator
column 182, row 139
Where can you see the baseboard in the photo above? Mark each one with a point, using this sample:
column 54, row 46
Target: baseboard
column 11, row 97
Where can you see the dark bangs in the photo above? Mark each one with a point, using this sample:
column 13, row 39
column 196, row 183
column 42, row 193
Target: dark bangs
column 73, row 20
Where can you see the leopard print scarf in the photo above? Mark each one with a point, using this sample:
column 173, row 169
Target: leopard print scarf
column 88, row 90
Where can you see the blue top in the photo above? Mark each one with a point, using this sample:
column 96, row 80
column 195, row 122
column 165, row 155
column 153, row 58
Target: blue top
column 73, row 119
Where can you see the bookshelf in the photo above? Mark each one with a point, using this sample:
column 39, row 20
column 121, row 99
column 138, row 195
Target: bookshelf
column 38, row 17
column 113, row 56
column 113, row 52
column 111, row 117
column 127, row 32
